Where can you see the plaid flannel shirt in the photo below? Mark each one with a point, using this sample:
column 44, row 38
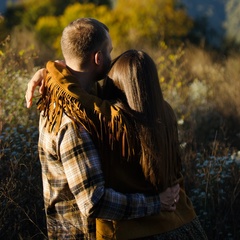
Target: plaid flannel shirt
column 73, row 185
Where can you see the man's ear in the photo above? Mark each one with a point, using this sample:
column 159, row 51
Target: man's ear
column 98, row 57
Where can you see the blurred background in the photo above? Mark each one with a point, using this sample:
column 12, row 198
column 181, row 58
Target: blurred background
column 196, row 48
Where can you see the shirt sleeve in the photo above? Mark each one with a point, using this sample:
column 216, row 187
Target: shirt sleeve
column 85, row 178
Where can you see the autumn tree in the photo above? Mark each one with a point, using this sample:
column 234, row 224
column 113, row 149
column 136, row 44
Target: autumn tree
column 49, row 28
column 27, row 12
column 137, row 23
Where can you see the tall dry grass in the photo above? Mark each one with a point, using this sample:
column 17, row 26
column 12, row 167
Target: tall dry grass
column 203, row 89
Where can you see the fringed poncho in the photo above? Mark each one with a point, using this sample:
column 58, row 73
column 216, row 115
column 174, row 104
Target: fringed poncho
column 106, row 123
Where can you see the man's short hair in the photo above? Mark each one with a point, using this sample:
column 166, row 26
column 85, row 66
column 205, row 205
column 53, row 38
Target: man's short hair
column 82, row 37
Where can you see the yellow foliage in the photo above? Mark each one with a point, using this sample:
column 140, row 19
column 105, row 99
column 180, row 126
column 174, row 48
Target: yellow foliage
column 132, row 24
column 148, row 22
column 21, row 52
column 48, row 28
column 163, row 45
column 173, row 76
column 77, row 10
column 179, row 84
column 162, row 79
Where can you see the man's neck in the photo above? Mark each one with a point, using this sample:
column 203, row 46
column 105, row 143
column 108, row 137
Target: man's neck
column 85, row 78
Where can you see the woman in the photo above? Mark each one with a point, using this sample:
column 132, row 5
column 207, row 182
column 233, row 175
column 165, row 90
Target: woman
column 155, row 163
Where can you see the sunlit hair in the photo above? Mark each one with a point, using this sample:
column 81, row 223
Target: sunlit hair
column 138, row 90
column 82, row 37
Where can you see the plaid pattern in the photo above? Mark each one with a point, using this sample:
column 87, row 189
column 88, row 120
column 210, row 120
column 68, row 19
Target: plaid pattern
column 73, row 184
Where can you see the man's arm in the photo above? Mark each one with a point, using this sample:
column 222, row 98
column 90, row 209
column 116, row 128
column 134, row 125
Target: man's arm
column 85, row 178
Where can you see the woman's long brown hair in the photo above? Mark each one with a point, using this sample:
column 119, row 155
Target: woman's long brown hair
column 135, row 75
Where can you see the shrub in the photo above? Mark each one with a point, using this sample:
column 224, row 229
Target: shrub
column 21, row 212
column 213, row 183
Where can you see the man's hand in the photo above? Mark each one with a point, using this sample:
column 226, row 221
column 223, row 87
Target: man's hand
column 169, row 198
column 37, row 80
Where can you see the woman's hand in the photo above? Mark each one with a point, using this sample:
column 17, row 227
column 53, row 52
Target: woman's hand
column 37, row 80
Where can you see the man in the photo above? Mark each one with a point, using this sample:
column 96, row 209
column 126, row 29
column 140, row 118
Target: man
column 73, row 181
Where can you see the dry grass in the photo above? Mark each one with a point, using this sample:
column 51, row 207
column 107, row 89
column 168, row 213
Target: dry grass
column 203, row 89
